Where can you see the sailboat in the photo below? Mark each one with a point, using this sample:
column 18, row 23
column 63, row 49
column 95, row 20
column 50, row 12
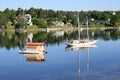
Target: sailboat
column 81, row 43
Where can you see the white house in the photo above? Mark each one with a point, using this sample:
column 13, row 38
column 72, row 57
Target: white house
column 58, row 23
column 29, row 19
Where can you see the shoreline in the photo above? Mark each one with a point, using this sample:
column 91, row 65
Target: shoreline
column 57, row 29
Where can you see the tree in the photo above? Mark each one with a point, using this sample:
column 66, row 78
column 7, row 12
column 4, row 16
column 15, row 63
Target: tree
column 60, row 15
column 50, row 14
column 21, row 23
column 40, row 23
column 115, row 20
column 49, row 22
column 33, row 12
column 3, row 21
column 20, row 11
column 41, row 13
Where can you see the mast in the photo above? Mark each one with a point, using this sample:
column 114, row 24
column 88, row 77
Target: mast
column 87, row 28
column 78, row 27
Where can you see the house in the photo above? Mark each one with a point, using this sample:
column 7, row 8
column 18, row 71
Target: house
column 58, row 23
column 29, row 19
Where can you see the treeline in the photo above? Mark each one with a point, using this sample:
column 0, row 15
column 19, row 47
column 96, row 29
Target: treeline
column 45, row 18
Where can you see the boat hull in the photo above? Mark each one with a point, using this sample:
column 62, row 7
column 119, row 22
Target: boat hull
column 28, row 52
column 82, row 43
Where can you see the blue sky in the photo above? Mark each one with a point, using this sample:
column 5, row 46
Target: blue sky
column 65, row 5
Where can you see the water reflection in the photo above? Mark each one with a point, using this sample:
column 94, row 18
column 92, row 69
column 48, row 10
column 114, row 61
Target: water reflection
column 102, row 64
column 34, row 51
column 12, row 39
column 35, row 57
column 73, row 48
column 29, row 37
column 80, row 50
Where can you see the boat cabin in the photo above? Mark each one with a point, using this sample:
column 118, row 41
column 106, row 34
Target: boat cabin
column 35, row 47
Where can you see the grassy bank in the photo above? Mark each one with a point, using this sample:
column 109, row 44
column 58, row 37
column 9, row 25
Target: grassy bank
column 36, row 28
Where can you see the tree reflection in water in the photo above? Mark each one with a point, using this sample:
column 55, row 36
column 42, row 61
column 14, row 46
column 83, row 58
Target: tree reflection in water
column 12, row 39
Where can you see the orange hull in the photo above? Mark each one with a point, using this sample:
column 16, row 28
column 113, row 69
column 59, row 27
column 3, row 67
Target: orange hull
column 35, row 43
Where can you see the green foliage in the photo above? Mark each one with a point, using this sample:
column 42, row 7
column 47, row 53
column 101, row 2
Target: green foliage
column 21, row 23
column 49, row 22
column 45, row 18
column 115, row 20
column 32, row 27
column 33, row 12
column 40, row 23
column 93, row 25
column 3, row 21
column 10, row 27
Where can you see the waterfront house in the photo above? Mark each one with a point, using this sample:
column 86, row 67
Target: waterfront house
column 29, row 19
column 58, row 23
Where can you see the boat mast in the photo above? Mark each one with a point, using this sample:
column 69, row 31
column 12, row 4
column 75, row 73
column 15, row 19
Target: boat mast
column 78, row 27
column 87, row 28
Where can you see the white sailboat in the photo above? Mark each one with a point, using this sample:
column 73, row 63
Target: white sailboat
column 81, row 43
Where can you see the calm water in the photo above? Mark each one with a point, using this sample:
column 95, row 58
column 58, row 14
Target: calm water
column 101, row 63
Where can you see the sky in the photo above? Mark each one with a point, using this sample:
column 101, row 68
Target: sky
column 64, row 5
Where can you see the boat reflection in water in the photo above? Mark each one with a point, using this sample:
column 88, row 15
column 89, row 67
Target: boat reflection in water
column 34, row 51
column 35, row 57
column 73, row 48
column 80, row 50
